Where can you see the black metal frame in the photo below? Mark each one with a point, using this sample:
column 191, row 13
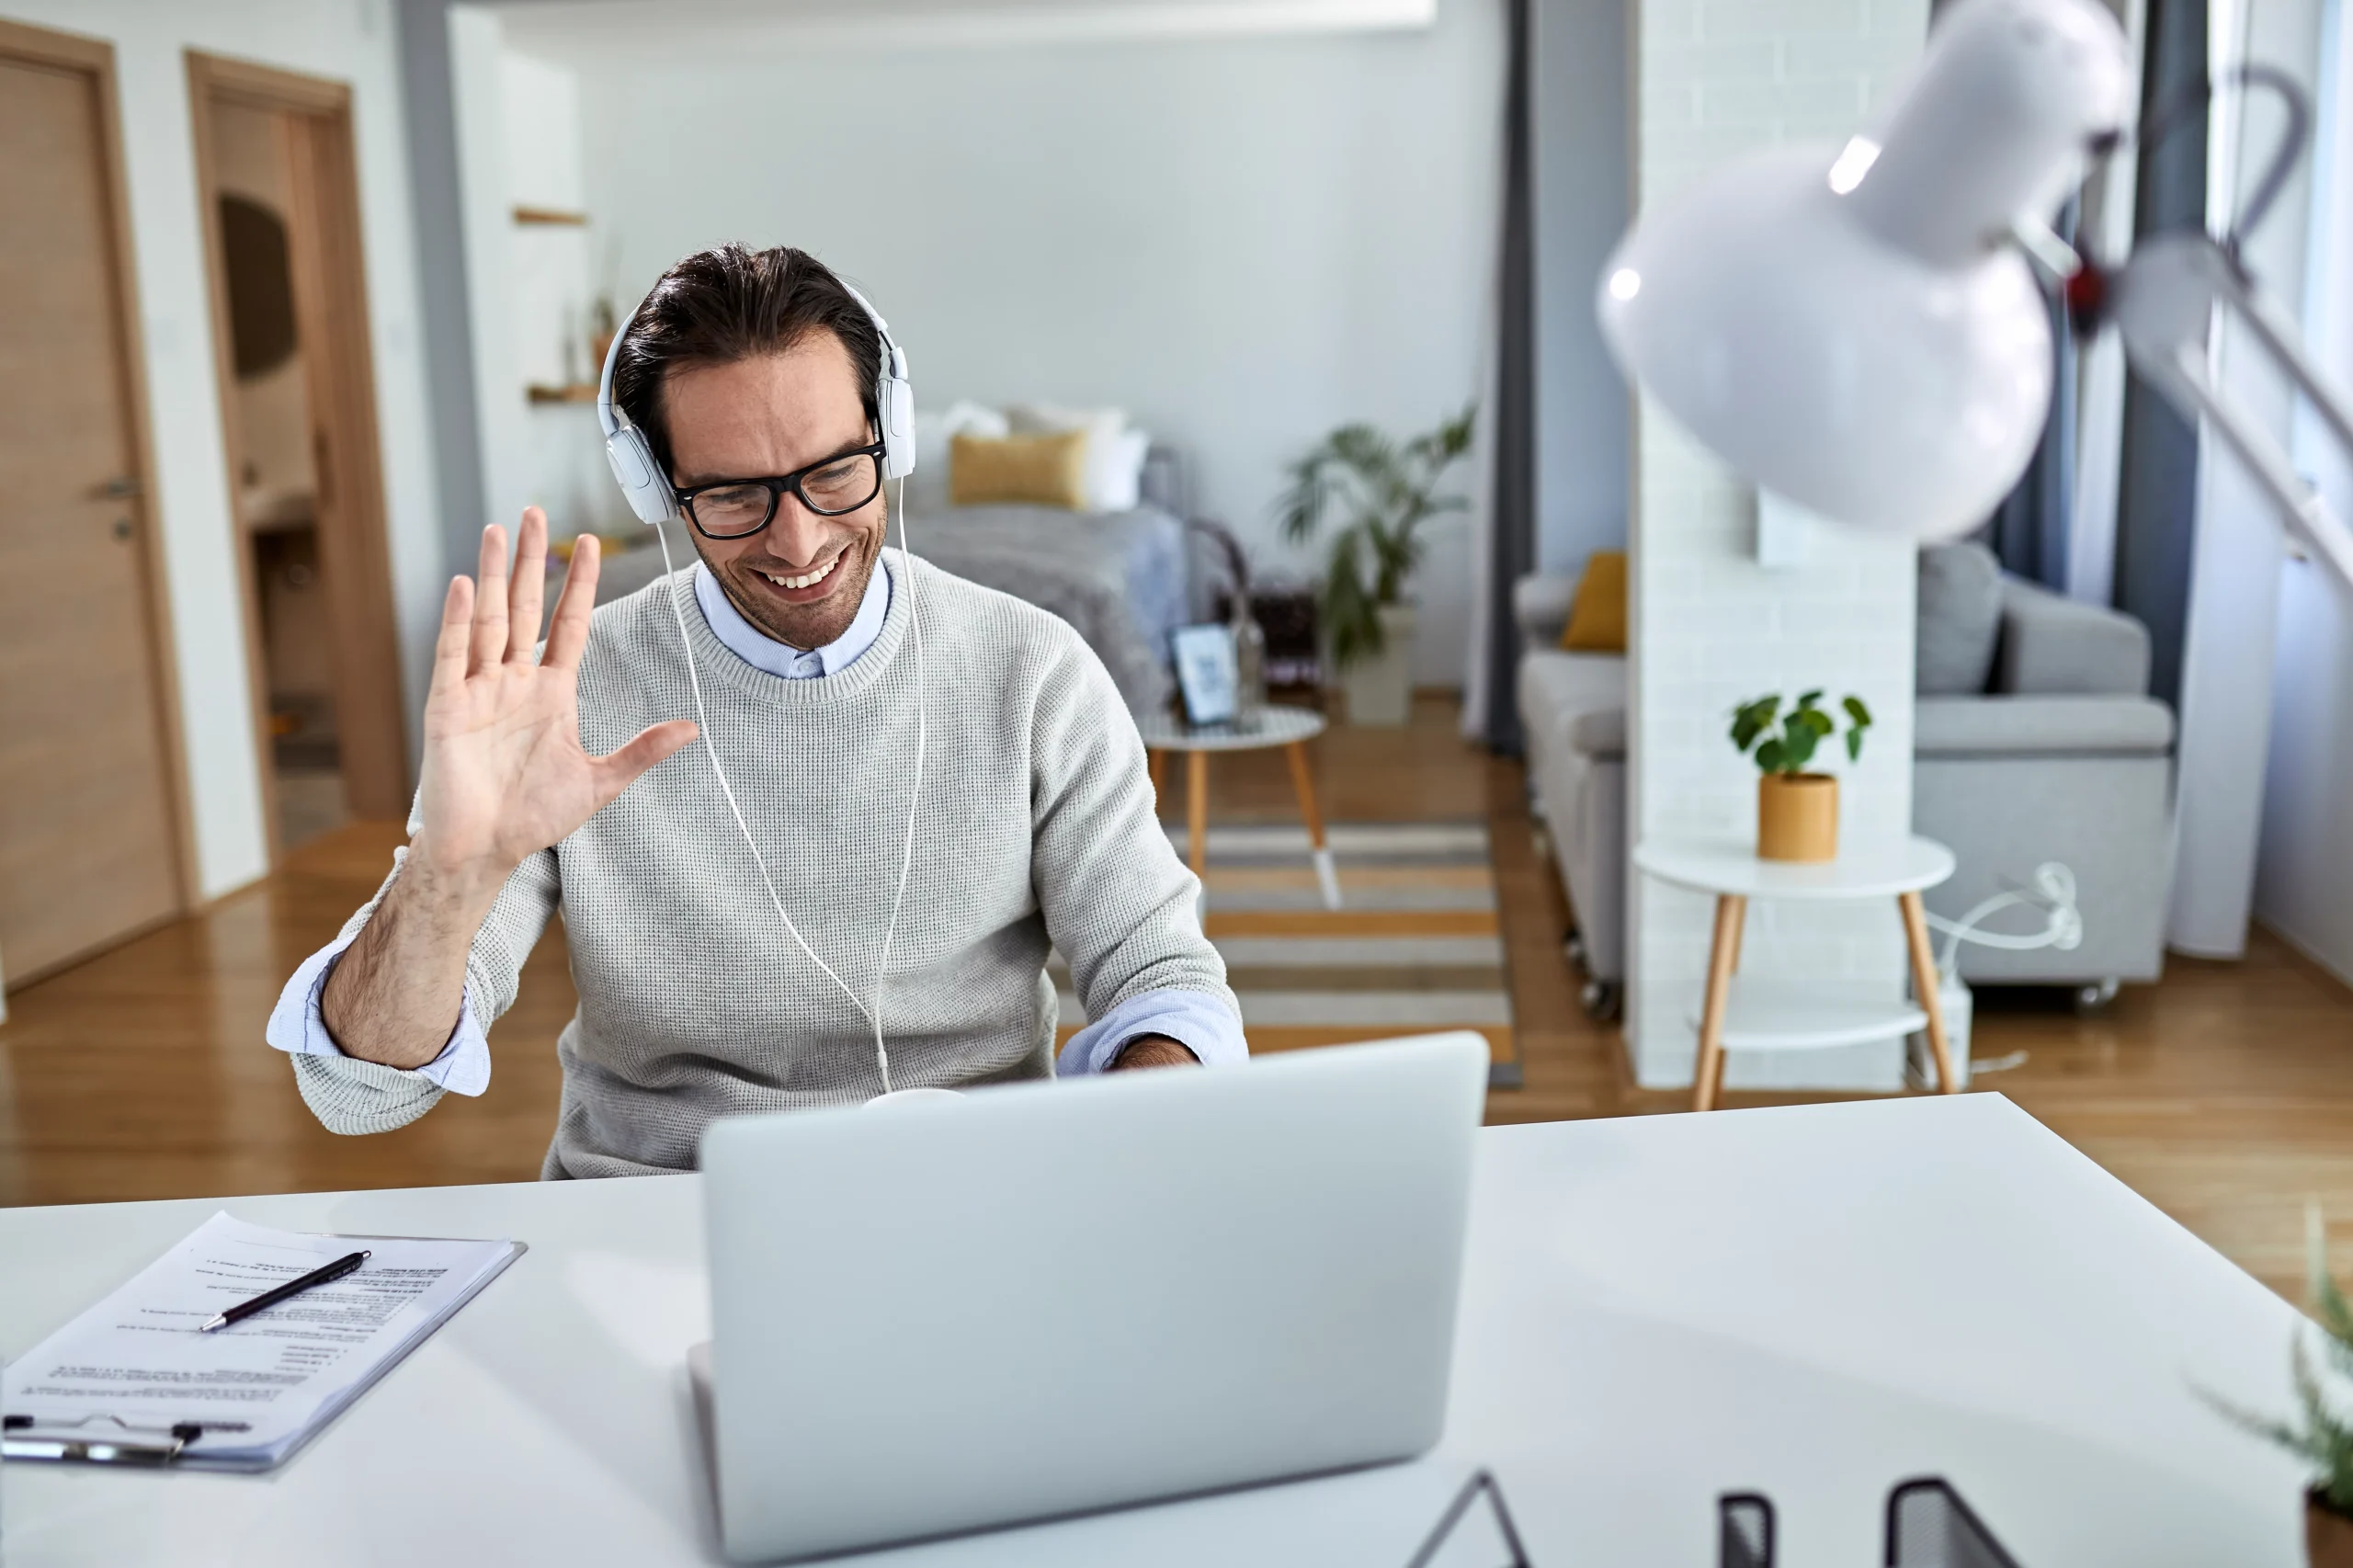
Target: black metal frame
column 1485, row 1481
column 777, row 485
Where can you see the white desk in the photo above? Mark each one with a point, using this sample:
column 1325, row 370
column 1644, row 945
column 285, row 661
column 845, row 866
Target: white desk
column 1814, row 1302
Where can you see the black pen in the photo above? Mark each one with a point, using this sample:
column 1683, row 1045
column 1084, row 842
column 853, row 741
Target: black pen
column 269, row 1299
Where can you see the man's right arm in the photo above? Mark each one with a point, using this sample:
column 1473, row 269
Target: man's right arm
column 504, row 779
column 394, row 996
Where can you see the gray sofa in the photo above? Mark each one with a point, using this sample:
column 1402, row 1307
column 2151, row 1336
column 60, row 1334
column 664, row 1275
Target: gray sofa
column 2034, row 740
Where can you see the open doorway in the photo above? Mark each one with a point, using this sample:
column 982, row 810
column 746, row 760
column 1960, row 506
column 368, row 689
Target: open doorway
column 281, row 208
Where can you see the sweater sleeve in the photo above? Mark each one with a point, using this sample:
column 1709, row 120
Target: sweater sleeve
column 350, row 1096
column 1118, row 902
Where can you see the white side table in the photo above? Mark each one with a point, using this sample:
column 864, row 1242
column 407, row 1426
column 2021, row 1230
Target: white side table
column 1291, row 728
column 1749, row 1015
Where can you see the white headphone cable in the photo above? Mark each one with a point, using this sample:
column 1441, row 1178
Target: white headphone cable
column 915, row 796
column 874, row 1016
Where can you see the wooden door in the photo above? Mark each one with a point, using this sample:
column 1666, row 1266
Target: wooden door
column 89, row 826
column 329, row 283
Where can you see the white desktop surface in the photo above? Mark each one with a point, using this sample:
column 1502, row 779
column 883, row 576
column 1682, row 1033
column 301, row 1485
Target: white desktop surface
column 1814, row 1302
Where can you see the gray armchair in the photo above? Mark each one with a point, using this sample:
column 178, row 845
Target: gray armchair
column 2034, row 740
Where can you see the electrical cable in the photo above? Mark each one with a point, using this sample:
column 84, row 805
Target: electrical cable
column 2054, row 895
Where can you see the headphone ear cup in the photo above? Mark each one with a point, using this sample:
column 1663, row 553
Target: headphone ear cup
column 641, row 479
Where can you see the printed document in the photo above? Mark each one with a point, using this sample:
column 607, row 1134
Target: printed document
column 133, row 1371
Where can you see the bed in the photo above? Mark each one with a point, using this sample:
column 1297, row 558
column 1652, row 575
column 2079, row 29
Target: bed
column 1119, row 578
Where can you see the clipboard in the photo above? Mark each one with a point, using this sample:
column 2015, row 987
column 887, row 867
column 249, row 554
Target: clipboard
column 278, row 1379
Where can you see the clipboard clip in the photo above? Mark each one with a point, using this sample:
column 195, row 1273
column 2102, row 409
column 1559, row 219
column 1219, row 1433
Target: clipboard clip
column 103, row 1439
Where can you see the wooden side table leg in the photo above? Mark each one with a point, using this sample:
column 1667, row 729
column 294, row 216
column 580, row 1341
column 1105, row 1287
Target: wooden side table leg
column 1157, row 760
column 1303, row 781
column 1925, row 981
column 1707, row 1079
column 1196, row 811
column 1739, row 929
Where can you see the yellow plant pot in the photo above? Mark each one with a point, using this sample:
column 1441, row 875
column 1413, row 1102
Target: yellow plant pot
column 1797, row 816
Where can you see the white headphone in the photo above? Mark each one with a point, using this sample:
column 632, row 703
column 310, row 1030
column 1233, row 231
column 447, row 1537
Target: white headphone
column 651, row 497
column 648, row 488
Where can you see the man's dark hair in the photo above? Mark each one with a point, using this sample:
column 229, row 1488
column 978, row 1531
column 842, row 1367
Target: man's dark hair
column 731, row 302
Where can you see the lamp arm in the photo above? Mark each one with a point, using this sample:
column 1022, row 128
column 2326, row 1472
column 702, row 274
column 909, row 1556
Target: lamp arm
column 2164, row 299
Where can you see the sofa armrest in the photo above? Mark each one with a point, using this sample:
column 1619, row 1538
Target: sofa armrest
column 1539, row 604
column 2053, row 646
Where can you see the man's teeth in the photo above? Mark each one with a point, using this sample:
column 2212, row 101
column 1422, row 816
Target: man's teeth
column 807, row 580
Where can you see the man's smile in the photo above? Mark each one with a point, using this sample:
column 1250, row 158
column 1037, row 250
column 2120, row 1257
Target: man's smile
column 802, row 588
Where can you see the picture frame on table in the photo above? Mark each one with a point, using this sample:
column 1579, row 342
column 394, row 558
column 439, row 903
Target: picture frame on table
column 1206, row 673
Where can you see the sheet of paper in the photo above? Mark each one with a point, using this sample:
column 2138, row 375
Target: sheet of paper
column 134, row 1366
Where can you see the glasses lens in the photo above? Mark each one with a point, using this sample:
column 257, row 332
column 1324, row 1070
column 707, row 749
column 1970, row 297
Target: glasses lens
column 843, row 486
column 732, row 509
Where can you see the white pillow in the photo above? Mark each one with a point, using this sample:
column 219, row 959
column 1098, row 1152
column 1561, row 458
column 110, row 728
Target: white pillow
column 1114, row 472
column 968, row 418
column 1122, row 474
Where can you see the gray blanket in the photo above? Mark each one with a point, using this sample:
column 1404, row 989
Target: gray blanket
column 1118, row 578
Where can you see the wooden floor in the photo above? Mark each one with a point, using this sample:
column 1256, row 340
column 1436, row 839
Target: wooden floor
column 2224, row 1095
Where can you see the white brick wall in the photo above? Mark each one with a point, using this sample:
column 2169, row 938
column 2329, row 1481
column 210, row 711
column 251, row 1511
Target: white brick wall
column 1709, row 626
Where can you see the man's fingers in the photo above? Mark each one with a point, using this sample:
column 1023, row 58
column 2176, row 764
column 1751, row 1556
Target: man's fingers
column 531, row 585
column 489, row 641
column 653, row 743
column 568, row 631
column 449, row 646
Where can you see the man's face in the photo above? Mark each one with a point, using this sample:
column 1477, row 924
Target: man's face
column 772, row 415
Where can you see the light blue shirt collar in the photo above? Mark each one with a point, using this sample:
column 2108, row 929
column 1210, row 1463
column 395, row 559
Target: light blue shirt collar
column 762, row 652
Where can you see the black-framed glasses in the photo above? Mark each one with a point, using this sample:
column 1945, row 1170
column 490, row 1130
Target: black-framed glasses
column 733, row 508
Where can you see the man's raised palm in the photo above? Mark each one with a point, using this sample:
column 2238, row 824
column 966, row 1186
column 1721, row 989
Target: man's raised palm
column 505, row 773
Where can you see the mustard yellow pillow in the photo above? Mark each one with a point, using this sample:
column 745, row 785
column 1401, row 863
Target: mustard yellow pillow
column 1044, row 471
column 1597, row 616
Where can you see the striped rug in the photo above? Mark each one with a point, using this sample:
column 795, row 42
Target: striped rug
column 1415, row 946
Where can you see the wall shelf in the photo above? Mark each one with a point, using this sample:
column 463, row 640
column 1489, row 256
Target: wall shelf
column 550, row 215
column 576, row 391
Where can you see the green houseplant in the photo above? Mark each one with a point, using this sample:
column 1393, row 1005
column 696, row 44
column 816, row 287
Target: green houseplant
column 1385, row 489
column 1797, row 810
column 2320, row 1435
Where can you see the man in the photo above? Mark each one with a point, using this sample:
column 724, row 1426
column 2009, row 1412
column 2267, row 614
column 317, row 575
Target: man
column 568, row 782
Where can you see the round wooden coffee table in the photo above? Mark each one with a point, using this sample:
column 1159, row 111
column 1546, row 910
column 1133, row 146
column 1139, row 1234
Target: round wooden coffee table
column 1291, row 728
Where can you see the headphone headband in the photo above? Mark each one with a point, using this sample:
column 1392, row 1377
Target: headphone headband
column 648, row 488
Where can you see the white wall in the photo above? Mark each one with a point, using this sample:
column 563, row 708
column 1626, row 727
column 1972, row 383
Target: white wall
column 1711, row 627
column 1243, row 241
column 350, row 40
column 2307, row 864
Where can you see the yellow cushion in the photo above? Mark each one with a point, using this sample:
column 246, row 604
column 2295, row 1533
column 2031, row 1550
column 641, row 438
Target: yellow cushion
column 1598, row 618
column 1043, row 471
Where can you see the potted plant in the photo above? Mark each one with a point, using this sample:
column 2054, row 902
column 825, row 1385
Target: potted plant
column 1797, row 812
column 1387, row 489
column 2321, row 1436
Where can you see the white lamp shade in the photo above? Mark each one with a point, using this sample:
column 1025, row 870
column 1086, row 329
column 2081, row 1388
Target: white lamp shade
column 1849, row 327
column 1821, row 364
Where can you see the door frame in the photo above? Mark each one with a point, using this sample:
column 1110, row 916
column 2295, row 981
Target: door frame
column 332, row 316
column 95, row 57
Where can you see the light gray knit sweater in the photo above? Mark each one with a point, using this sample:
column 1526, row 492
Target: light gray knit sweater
column 1037, row 828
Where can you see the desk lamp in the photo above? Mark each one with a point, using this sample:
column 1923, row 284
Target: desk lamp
column 1862, row 329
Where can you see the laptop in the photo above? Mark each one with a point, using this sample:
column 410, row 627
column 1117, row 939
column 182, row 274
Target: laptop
column 1046, row 1299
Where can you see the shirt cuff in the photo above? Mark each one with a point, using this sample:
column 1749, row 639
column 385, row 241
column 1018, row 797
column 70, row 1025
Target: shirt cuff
column 1202, row 1023
column 297, row 1028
